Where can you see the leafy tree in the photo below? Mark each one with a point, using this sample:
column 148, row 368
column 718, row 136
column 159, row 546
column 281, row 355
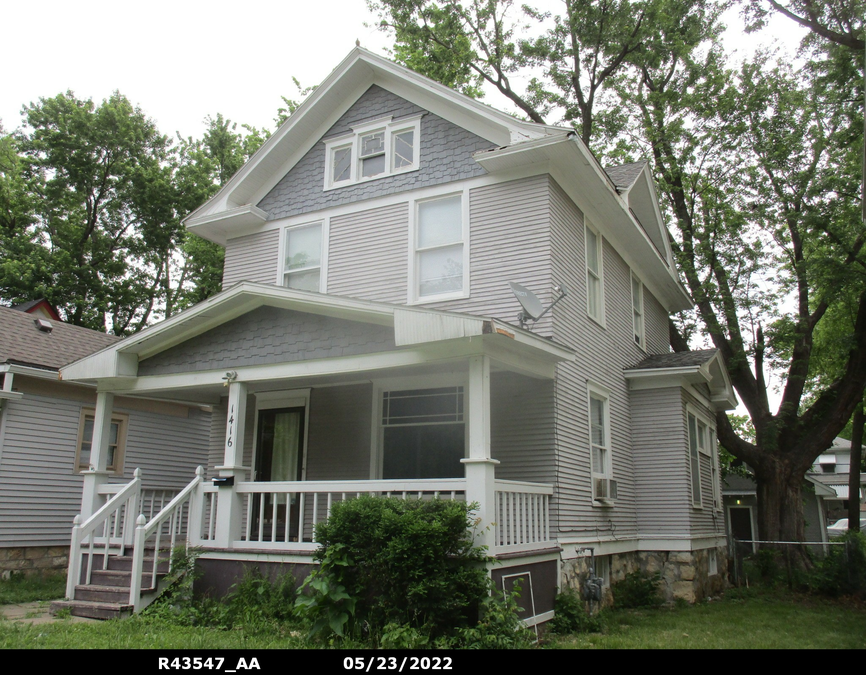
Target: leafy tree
column 757, row 168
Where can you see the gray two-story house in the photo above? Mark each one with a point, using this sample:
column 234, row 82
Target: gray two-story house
column 366, row 341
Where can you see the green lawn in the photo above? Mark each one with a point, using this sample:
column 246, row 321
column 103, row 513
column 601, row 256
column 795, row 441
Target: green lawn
column 28, row 589
column 751, row 620
column 744, row 620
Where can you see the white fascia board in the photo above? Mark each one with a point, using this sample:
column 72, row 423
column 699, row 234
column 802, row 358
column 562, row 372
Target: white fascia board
column 577, row 172
column 821, row 490
column 216, row 227
column 331, row 99
column 30, row 371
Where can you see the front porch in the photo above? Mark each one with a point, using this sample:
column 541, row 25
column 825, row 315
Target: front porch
column 352, row 398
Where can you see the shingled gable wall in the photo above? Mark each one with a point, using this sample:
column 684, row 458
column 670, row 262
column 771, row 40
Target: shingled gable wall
column 445, row 155
column 270, row 335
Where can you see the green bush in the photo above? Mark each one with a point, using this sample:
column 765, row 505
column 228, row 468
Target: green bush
column 393, row 561
column 843, row 571
column 636, row 590
column 570, row 615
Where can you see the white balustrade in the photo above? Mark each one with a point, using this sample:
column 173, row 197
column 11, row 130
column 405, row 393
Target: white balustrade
column 522, row 513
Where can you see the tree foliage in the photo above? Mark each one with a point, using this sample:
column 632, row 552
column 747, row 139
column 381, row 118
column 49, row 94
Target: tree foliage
column 758, row 172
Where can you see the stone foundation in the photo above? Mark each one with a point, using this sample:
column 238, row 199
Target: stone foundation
column 682, row 575
column 33, row 560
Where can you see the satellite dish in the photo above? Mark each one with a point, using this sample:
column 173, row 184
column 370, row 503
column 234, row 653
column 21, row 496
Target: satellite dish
column 532, row 307
column 533, row 310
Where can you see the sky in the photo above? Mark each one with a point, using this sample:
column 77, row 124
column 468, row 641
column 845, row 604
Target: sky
column 182, row 60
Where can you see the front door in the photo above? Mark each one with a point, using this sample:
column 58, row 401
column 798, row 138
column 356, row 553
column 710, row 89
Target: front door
column 279, row 457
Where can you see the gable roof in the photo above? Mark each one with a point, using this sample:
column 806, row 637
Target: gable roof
column 235, row 202
column 624, row 175
column 412, row 326
column 22, row 343
column 702, row 366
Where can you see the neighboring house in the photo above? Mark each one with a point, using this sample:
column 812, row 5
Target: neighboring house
column 740, row 497
column 45, row 429
column 832, row 468
column 366, row 341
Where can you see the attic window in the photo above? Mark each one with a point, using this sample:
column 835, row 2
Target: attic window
column 373, row 150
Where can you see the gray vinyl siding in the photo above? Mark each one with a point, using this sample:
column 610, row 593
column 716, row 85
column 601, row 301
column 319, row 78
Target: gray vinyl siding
column 368, row 254
column 269, row 335
column 338, row 446
column 655, row 325
column 40, row 491
column 253, row 257
column 445, row 155
column 602, row 353
column 661, row 461
column 522, row 428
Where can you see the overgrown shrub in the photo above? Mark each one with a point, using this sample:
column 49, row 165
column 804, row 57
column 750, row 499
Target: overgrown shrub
column 636, row 590
column 570, row 615
column 498, row 628
column 843, row 571
column 393, row 561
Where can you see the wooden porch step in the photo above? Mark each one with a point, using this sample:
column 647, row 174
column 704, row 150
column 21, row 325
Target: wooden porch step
column 119, row 578
column 111, row 594
column 92, row 610
column 123, row 563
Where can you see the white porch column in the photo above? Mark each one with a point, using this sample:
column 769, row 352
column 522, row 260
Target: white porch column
column 229, row 503
column 97, row 474
column 480, row 466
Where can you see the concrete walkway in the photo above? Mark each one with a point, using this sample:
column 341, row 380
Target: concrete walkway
column 35, row 613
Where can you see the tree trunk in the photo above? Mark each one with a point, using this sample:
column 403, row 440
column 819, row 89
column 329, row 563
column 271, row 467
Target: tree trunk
column 780, row 511
column 854, row 471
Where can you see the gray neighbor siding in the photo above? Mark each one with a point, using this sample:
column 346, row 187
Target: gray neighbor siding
column 40, row 488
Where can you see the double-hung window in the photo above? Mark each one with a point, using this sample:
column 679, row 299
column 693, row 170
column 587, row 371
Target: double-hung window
column 373, row 150
column 637, row 311
column 603, row 487
column 116, row 441
column 439, row 255
column 701, row 443
column 302, row 266
column 594, row 284
column 423, row 433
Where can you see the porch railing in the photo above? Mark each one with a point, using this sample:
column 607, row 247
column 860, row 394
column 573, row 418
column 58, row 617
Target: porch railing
column 107, row 532
column 158, row 536
column 281, row 515
column 522, row 516
column 151, row 500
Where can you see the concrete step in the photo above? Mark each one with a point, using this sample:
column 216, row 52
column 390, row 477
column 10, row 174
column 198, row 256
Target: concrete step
column 92, row 610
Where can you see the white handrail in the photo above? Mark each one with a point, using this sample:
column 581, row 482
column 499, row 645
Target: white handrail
column 126, row 498
column 173, row 514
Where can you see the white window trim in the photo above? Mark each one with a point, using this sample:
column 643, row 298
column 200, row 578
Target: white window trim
column 353, row 140
column 282, row 272
column 413, row 298
column 600, row 319
column 709, row 451
column 122, row 420
column 641, row 312
column 595, row 391
column 269, row 400
column 377, row 439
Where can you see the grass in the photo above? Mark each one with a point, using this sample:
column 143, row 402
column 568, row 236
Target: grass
column 20, row 588
column 742, row 620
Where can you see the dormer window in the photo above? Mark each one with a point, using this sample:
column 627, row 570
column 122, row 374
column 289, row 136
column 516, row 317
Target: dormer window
column 373, row 150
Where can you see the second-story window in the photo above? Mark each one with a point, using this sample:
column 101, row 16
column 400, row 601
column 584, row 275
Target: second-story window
column 439, row 248
column 637, row 311
column 594, row 287
column 372, row 150
column 302, row 268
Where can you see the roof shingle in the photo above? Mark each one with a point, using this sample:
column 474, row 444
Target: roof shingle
column 675, row 359
column 624, row 175
column 24, row 344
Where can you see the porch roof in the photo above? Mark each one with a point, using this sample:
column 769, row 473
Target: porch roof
column 420, row 335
